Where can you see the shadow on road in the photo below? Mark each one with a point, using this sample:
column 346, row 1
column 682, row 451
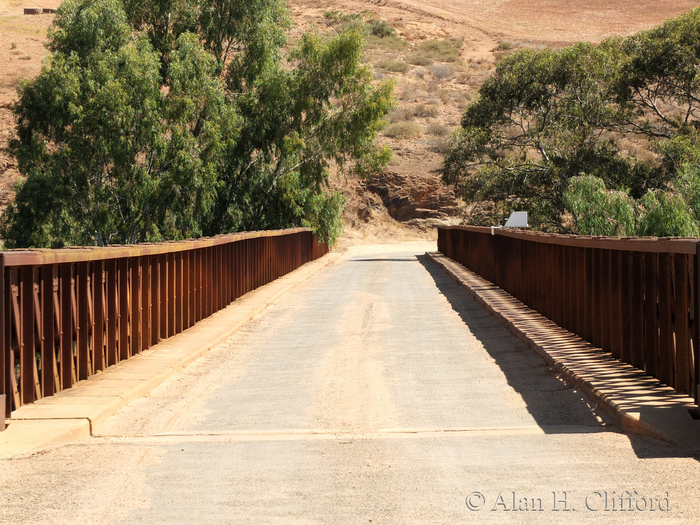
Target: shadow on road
column 555, row 405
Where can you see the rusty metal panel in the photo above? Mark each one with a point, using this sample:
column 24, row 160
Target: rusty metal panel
column 638, row 330
column 145, row 298
column 606, row 300
column 82, row 328
column 667, row 353
column 112, row 295
column 163, row 295
column 134, row 307
column 26, row 344
column 124, row 288
column 179, row 303
column 48, row 345
column 98, row 316
column 615, row 304
column 681, row 328
column 590, row 295
column 651, row 315
column 197, row 277
column 154, row 276
column 186, row 291
column 625, row 317
column 67, row 329
column 170, row 261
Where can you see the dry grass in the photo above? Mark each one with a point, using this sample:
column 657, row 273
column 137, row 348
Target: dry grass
column 442, row 50
column 419, row 60
column 438, row 130
column 395, row 66
column 442, row 72
column 425, row 111
column 403, row 131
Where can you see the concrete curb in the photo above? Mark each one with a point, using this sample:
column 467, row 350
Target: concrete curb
column 637, row 402
column 73, row 414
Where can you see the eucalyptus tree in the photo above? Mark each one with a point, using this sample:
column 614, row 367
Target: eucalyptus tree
column 625, row 112
column 155, row 120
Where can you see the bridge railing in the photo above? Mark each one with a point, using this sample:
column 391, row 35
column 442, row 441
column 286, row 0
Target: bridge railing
column 66, row 314
column 636, row 298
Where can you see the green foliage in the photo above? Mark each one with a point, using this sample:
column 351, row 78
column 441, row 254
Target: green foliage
column 597, row 210
column 380, row 28
column 296, row 122
column 666, row 215
column 546, row 117
column 194, row 124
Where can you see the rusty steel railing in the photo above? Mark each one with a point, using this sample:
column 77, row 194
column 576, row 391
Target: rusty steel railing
column 66, row 314
column 633, row 297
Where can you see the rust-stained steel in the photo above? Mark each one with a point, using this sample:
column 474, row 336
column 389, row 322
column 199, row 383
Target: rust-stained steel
column 66, row 314
column 633, row 297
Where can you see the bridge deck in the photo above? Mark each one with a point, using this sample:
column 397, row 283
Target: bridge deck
column 379, row 390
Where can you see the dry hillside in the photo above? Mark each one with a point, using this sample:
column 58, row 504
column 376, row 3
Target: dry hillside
column 441, row 52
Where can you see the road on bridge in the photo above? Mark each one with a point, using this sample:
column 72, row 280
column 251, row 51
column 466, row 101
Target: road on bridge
column 377, row 391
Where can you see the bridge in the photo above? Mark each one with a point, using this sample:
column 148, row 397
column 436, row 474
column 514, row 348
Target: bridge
column 384, row 384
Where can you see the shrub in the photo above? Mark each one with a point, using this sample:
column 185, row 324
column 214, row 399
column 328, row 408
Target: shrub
column 438, row 130
column 425, row 111
column 395, row 66
column 420, row 60
column 380, row 28
column 388, row 43
column 439, row 145
column 419, row 72
column 442, row 71
column 400, row 114
column 505, row 45
column 442, row 50
column 403, row 131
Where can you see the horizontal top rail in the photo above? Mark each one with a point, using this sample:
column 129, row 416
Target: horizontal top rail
column 36, row 257
column 633, row 244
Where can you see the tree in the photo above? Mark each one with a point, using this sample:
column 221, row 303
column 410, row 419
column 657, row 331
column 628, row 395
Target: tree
column 160, row 120
column 296, row 123
column 597, row 210
column 109, row 157
column 546, row 117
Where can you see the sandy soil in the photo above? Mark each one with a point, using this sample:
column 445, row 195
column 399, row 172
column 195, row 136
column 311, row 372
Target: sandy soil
column 480, row 24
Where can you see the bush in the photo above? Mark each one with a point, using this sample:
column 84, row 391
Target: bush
column 442, row 50
column 425, row 110
column 395, row 66
column 442, row 71
column 420, row 60
column 438, row 130
column 439, row 145
column 399, row 114
column 388, row 43
column 380, row 28
column 505, row 45
column 403, row 131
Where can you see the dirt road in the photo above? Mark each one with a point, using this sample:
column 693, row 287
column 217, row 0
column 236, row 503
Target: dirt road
column 378, row 391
